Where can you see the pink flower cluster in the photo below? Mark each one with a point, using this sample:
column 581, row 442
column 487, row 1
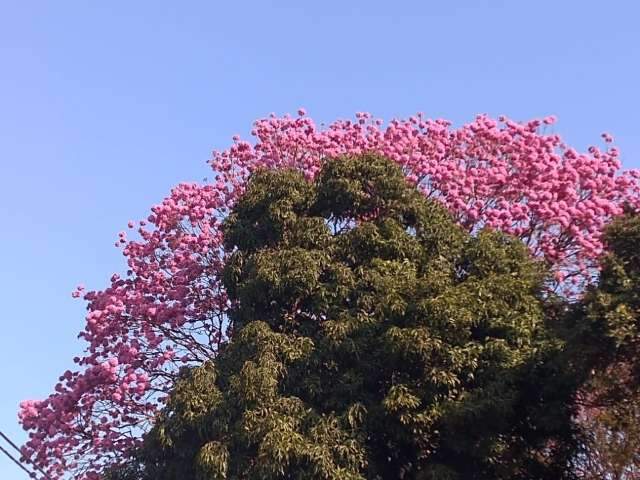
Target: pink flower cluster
column 169, row 310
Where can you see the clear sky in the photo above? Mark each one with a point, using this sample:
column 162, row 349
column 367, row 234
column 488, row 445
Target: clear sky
column 105, row 105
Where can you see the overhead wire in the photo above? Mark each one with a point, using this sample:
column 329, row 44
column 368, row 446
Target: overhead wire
column 19, row 462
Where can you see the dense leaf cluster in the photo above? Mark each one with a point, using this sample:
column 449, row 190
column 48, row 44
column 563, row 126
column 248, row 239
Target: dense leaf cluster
column 604, row 334
column 373, row 339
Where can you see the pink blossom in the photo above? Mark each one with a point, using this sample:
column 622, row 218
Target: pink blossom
column 607, row 137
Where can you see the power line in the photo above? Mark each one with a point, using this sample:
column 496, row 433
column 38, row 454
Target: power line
column 17, row 449
column 31, row 474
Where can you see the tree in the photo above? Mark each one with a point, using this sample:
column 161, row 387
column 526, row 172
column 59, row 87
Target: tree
column 170, row 308
column 606, row 340
column 373, row 338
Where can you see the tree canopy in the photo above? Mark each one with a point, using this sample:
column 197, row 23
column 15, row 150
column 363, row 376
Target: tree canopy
column 171, row 308
column 373, row 338
column 605, row 338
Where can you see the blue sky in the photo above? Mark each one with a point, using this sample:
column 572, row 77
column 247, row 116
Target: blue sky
column 105, row 105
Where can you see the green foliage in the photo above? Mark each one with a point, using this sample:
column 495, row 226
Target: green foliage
column 612, row 310
column 605, row 341
column 373, row 339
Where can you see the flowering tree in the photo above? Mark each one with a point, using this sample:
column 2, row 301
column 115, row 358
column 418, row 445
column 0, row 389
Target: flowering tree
column 170, row 309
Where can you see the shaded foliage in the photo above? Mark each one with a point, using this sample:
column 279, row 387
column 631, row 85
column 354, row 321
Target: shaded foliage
column 605, row 339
